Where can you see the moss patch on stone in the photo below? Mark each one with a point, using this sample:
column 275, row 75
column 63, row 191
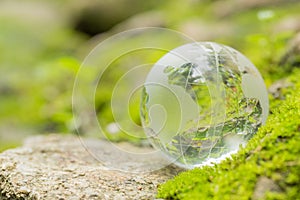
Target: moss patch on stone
column 267, row 168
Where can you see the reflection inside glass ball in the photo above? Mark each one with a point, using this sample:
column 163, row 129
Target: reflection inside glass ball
column 201, row 102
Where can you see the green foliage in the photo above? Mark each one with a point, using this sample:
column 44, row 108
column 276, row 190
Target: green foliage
column 38, row 65
column 46, row 96
column 273, row 152
column 4, row 145
column 37, row 69
column 266, row 51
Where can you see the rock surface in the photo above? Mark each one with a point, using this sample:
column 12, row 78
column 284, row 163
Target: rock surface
column 60, row 167
column 263, row 186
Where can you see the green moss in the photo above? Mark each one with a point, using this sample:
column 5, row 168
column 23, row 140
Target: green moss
column 272, row 153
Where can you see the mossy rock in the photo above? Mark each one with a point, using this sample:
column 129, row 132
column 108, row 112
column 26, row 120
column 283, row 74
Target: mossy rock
column 267, row 168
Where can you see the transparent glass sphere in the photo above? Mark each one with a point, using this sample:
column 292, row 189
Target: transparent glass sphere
column 201, row 102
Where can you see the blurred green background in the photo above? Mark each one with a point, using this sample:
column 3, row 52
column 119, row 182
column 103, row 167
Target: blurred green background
column 42, row 44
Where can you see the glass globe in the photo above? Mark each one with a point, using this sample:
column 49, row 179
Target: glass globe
column 201, row 102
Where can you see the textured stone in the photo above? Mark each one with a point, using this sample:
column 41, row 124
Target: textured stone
column 59, row 167
column 264, row 185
